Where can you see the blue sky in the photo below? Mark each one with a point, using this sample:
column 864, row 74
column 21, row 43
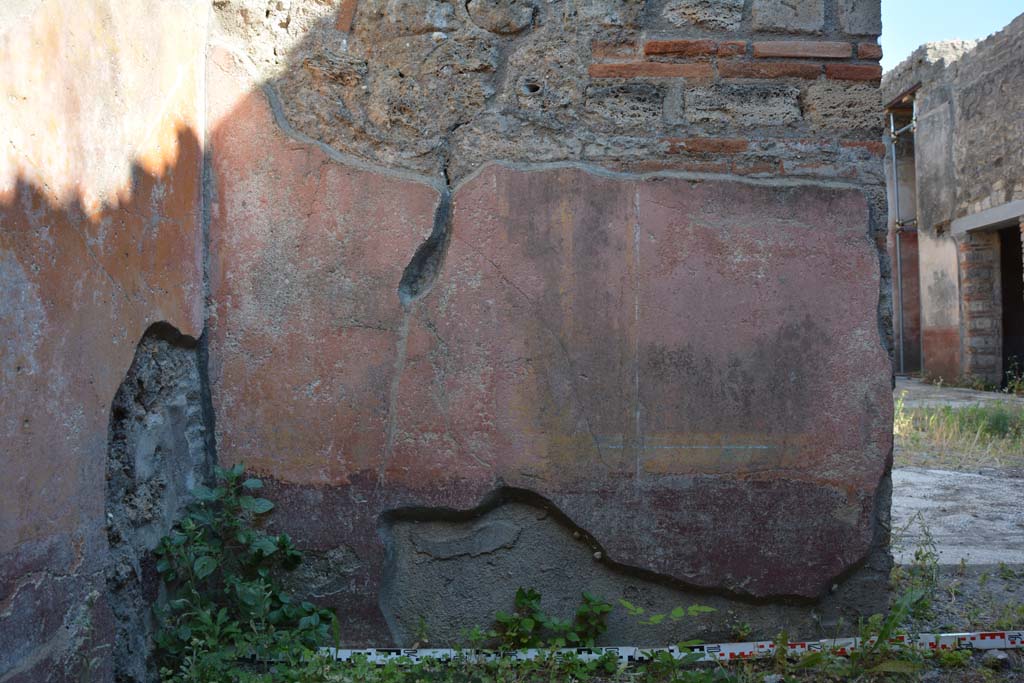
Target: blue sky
column 906, row 24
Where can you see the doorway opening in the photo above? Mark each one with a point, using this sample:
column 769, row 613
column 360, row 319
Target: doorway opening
column 1011, row 268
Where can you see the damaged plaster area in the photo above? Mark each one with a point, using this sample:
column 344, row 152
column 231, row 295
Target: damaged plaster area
column 447, row 572
column 159, row 449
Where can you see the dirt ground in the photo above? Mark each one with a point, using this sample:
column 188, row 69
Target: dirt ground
column 968, row 524
column 974, row 516
column 920, row 394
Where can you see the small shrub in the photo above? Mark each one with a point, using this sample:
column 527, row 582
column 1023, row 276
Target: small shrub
column 225, row 619
column 530, row 626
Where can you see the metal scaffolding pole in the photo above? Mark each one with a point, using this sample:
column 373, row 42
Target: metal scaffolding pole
column 900, row 223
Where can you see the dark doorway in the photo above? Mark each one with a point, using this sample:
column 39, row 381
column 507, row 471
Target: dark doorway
column 1011, row 262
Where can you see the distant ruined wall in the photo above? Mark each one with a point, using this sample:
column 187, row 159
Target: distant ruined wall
column 969, row 158
column 576, row 295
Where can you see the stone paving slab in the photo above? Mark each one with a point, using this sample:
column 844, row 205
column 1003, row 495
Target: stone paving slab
column 973, row 517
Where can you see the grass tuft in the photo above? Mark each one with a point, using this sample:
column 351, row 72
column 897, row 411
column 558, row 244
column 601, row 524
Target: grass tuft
column 945, row 437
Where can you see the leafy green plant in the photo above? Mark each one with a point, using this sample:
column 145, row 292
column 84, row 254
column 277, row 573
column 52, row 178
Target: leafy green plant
column 530, row 626
column 676, row 613
column 1015, row 377
column 225, row 617
column 1007, row 573
column 740, row 631
column 1010, row 616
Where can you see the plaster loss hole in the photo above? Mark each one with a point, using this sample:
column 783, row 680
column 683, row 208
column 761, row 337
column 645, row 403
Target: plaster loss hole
column 531, row 88
column 157, row 451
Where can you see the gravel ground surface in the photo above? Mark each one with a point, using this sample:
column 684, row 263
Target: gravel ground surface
column 924, row 395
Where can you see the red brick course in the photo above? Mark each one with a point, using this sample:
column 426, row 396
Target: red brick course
column 769, row 70
column 873, row 146
column 707, row 145
column 603, row 49
column 346, row 13
column 732, row 48
column 803, row 48
column 682, row 48
column 758, row 168
column 869, row 51
column 853, row 72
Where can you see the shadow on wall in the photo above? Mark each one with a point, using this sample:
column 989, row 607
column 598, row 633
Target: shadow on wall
column 99, row 322
column 80, row 288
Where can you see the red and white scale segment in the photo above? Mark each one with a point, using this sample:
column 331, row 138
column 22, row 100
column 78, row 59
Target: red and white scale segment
column 717, row 652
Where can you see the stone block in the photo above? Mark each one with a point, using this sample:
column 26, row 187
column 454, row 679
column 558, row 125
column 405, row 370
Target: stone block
column 743, row 105
column 717, row 15
column 789, row 16
column 624, row 107
column 861, row 17
column 505, row 17
column 840, row 106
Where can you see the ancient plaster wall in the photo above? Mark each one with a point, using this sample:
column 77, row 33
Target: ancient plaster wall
column 969, row 157
column 616, row 267
column 100, row 236
column 469, row 256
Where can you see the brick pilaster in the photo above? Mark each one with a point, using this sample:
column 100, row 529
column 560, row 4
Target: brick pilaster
column 981, row 307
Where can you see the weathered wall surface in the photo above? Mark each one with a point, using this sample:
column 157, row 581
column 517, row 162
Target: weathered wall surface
column 969, row 157
column 940, row 308
column 664, row 298
column 615, row 267
column 100, row 236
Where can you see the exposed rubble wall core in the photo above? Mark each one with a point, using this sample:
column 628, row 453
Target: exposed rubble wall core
column 160, row 447
column 475, row 278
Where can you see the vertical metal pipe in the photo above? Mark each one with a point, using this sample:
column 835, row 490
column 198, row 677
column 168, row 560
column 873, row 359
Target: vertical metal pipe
column 899, row 254
column 899, row 290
